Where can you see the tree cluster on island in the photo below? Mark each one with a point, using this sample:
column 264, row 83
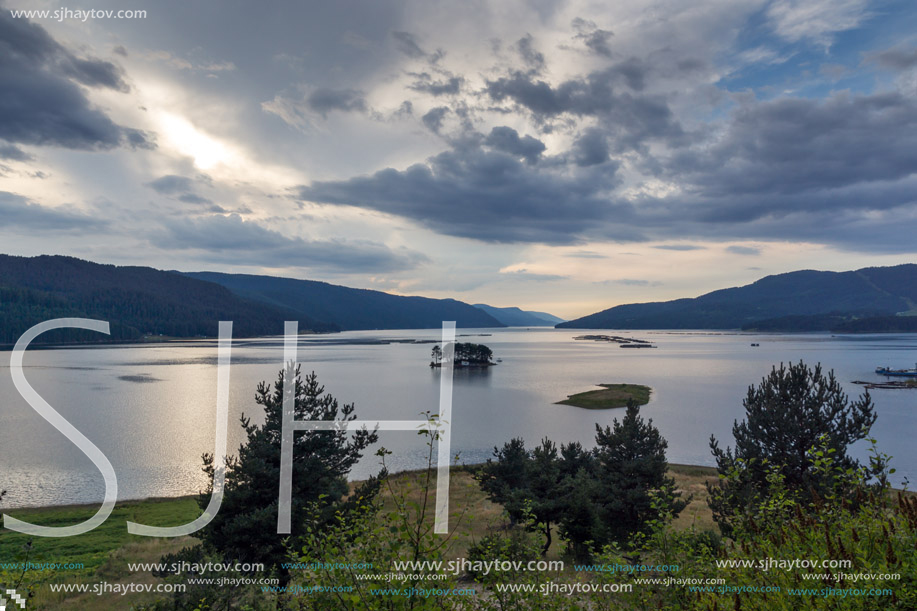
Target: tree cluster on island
column 465, row 355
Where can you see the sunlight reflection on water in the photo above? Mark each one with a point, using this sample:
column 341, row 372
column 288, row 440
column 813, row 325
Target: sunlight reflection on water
column 151, row 408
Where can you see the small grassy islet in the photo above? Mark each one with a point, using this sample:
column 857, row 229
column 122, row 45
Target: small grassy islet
column 609, row 396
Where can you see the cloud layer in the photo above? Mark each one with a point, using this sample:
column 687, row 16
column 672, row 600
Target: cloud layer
column 43, row 102
column 594, row 147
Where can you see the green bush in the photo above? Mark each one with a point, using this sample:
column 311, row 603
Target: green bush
column 790, row 411
column 515, row 544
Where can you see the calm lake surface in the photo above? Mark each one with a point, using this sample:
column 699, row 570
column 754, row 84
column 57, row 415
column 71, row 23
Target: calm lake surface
column 151, row 408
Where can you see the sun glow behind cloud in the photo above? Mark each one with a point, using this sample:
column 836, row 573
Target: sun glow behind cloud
column 181, row 135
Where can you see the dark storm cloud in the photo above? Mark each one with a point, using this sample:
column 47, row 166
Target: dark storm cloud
column 180, row 187
column 532, row 58
column 434, row 118
column 507, row 139
column 408, row 44
column 631, row 119
column 425, row 84
column 791, row 145
column 18, row 212
column 486, row 195
column 95, row 73
column 896, row 58
column 537, row 96
column 753, row 213
column 758, row 170
column 138, row 139
column 24, row 41
column 635, row 72
column 191, row 198
column 171, row 184
column 594, row 38
column 41, row 103
column 231, row 239
column 324, row 101
column 865, row 217
column 593, row 95
column 855, row 231
column 591, row 148
column 48, row 110
column 13, row 153
column 778, row 168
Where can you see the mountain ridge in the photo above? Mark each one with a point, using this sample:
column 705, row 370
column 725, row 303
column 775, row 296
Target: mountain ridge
column 137, row 301
column 349, row 308
column 517, row 317
column 140, row 301
column 858, row 294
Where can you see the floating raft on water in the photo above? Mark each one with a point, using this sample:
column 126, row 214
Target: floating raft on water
column 623, row 342
column 887, row 385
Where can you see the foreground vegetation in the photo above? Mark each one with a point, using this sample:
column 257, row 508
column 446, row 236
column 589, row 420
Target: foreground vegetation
column 103, row 553
column 106, row 551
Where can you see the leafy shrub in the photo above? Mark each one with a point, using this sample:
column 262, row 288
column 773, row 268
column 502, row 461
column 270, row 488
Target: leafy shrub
column 515, row 545
column 790, row 411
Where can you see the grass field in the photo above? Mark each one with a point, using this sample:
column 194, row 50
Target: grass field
column 103, row 552
column 106, row 551
column 609, row 396
column 473, row 516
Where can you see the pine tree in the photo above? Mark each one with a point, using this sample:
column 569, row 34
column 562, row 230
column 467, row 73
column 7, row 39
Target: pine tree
column 596, row 497
column 793, row 410
column 630, row 466
column 505, row 479
column 545, row 477
column 579, row 523
column 245, row 529
column 533, row 484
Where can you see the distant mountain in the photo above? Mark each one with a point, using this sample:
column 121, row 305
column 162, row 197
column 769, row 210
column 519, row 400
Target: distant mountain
column 135, row 301
column 804, row 300
column 514, row 317
column 351, row 309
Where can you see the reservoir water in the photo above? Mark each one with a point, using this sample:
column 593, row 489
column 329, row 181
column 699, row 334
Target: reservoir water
column 151, row 408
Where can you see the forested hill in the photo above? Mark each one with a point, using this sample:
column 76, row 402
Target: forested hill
column 516, row 317
column 135, row 301
column 796, row 301
column 352, row 309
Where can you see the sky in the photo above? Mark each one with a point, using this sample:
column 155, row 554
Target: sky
column 562, row 156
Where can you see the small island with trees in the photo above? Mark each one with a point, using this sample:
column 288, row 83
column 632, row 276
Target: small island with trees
column 466, row 355
column 609, row 396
